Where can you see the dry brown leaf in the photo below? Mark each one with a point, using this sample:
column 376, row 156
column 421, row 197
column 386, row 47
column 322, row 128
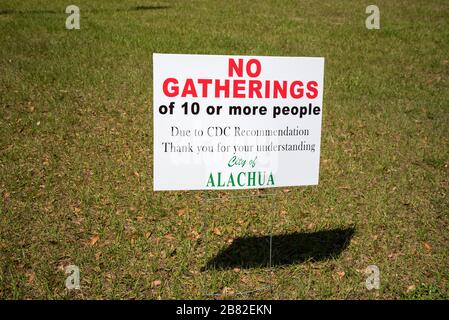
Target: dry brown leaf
column 341, row 274
column 148, row 234
column 60, row 266
column 31, row 276
column 244, row 279
column 227, row 291
column 217, row 231
column 156, row 283
column 94, row 240
column 77, row 209
column 195, row 234
column 169, row 236
column 411, row 288
column 181, row 212
column 427, row 246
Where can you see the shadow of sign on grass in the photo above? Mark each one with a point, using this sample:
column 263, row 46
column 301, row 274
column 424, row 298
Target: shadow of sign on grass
column 253, row 252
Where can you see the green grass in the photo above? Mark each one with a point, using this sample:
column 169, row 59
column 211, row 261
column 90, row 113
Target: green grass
column 76, row 151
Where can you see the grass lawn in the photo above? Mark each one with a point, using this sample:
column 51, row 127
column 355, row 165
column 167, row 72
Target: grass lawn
column 76, row 154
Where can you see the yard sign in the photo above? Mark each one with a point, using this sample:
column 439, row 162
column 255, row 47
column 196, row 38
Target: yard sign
column 236, row 122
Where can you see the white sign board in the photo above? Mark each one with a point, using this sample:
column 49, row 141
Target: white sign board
column 236, row 122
